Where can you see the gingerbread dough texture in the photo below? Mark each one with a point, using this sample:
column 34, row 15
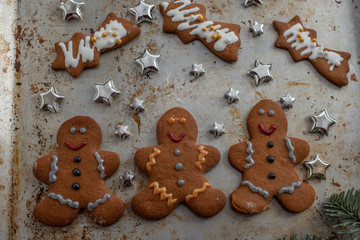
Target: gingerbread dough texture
column 176, row 170
column 83, row 51
column 75, row 175
column 267, row 164
column 188, row 21
column 302, row 44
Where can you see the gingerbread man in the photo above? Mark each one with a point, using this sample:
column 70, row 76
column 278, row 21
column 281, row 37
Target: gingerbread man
column 75, row 175
column 176, row 170
column 267, row 162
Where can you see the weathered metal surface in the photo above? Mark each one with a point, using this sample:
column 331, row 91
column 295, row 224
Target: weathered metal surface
column 28, row 133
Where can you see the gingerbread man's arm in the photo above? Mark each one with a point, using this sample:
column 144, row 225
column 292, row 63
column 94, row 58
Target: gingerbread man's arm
column 42, row 168
column 145, row 158
column 237, row 156
column 208, row 157
column 111, row 162
column 301, row 149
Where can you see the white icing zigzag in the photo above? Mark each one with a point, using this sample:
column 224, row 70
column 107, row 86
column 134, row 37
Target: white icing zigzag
column 54, row 169
column 291, row 150
column 69, row 202
column 85, row 52
column 178, row 15
column 256, row 189
column 249, row 159
column 290, row 189
column 310, row 47
column 101, row 167
column 92, row 206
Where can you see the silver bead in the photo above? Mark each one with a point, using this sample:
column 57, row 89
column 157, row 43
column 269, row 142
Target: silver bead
column 181, row 182
column 179, row 166
column 177, row 152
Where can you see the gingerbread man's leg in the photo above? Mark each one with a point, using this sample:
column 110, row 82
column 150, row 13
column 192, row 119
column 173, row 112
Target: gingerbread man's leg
column 300, row 200
column 108, row 211
column 246, row 201
column 52, row 213
column 150, row 206
column 207, row 203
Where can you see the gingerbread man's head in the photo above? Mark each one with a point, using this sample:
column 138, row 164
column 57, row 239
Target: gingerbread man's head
column 176, row 126
column 78, row 133
column 267, row 118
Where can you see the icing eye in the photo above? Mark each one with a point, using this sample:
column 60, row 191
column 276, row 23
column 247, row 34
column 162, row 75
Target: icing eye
column 261, row 111
column 73, row 130
column 182, row 120
column 83, row 130
column 271, row 112
column 171, row 120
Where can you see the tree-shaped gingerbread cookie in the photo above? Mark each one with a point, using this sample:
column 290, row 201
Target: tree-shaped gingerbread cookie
column 267, row 162
column 176, row 170
column 75, row 175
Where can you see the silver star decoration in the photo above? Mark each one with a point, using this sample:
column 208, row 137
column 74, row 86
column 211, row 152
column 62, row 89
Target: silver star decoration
column 122, row 132
column 148, row 62
column 137, row 105
column 257, row 29
column 197, row 70
column 50, row 100
column 316, row 167
column 287, row 101
column 127, row 179
column 232, row 96
column 105, row 92
column 261, row 72
column 72, row 9
column 142, row 12
column 322, row 122
column 217, row 129
column 252, row 2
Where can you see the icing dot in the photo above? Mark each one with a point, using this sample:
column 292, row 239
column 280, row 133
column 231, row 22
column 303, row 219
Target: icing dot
column 177, row 152
column 76, row 186
column 171, row 120
column 301, row 29
column 261, row 111
column 271, row 112
column 179, row 166
column 114, row 34
column 212, row 28
column 219, row 36
column 111, row 42
column 77, row 159
column 204, row 29
column 93, row 39
column 76, row 172
column 272, row 175
column 181, row 182
column 118, row 41
column 182, row 120
column 200, row 18
column 83, row 130
column 72, row 130
column 313, row 40
column 213, row 36
column 270, row 144
column 270, row 159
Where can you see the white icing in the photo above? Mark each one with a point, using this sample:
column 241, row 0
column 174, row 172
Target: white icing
column 101, row 167
column 165, row 5
column 255, row 189
column 311, row 47
column 249, row 159
column 291, row 149
column 85, row 52
column 92, row 206
column 69, row 202
column 54, row 169
column 109, row 41
column 290, row 189
column 178, row 15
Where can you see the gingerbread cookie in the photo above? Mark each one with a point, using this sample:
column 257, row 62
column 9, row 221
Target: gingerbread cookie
column 75, row 175
column 302, row 45
column 176, row 170
column 267, row 162
column 84, row 51
column 188, row 21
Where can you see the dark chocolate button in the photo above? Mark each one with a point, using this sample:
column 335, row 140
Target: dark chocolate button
column 76, row 172
column 77, row 159
column 270, row 144
column 272, row 175
column 76, row 186
column 270, row 159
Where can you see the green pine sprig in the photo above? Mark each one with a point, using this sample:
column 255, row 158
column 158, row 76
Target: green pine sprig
column 344, row 208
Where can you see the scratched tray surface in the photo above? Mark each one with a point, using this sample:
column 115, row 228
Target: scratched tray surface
column 40, row 26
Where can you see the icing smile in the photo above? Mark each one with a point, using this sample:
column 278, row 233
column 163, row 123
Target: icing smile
column 267, row 131
column 75, row 148
column 176, row 140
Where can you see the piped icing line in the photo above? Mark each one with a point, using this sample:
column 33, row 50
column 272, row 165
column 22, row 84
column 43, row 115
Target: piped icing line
column 91, row 206
column 152, row 156
column 100, row 167
column 178, row 15
column 163, row 194
column 54, row 169
column 85, row 51
column 249, row 158
column 69, row 202
column 197, row 191
column 291, row 149
column 255, row 189
column 201, row 157
column 302, row 40
column 290, row 189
